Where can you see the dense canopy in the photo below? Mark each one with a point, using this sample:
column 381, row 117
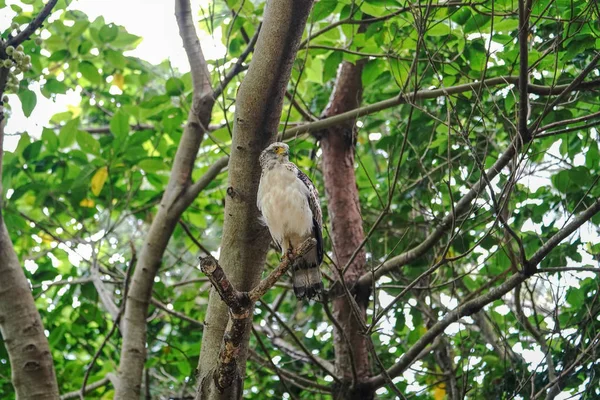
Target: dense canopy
column 469, row 285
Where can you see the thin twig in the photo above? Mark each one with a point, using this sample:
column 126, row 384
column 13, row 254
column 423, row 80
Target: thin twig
column 116, row 322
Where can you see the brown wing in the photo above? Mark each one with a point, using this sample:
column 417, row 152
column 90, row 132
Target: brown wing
column 315, row 207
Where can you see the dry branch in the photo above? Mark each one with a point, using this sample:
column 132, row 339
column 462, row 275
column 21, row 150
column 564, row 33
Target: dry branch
column 240, row 305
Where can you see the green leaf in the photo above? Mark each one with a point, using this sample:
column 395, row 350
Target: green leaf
column 119, row 124
column 28, row 101
column 575, row 297
column 561, row 181
column 50, row 139
column 32, row 151
column 174, row 86
column 323, row 9
column 90, row 72
column 87, row 142
column 66, row 137
column 108, row 33
column 115, row 58
column 152, row 165
column 55, row 86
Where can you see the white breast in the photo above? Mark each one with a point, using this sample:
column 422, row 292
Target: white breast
column 283, row 202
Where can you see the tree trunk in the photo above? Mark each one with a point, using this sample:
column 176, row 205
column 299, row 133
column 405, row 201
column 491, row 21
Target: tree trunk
column 179, row 194
column 22, row 330
column 245, row 241
column 337, row 144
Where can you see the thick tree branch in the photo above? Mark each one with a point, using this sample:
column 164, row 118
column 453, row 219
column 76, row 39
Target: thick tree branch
column 191, row 44
column 240, row 306
column 176, row 198
column 195, row 188
column 245, row 241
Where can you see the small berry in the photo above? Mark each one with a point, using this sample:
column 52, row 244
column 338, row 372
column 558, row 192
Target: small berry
column 5, row 99
column 20, row 47
column 38, row 41
column 10, row 50
column 7, row 63
column 14, row 25
column 27, row 59
column 27, row 67
column 17, row 71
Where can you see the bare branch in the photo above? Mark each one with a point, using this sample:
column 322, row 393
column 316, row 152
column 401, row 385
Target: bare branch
column 116, row 323
column 267, row 283
column 98, row 384
column 432, row 94
column 238, row 66
column 177, row 314
column 191, row 44
column 240, row 306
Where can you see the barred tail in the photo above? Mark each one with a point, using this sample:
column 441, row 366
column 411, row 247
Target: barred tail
column 306, row 276
column 307, row 282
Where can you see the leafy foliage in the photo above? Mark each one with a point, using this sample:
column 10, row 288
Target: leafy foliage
column 81, row 196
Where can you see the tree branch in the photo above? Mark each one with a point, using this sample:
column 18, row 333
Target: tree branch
column 237, row 67
column 524, row 12
column 195, row 188
column 240, row 306
column 431, row 94
column 176, row 314
column 173, row 203
column 191, row 44
column 473, row 306
column 98, row 384
column 33, row 25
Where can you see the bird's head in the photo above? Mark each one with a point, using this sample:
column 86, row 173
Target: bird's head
column 276, row 152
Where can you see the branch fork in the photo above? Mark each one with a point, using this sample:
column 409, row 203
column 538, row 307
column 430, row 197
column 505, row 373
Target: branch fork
column 241, row 304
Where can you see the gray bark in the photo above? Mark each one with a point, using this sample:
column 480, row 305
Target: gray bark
column 178, row 196
column 245, row 242
column 21, row 327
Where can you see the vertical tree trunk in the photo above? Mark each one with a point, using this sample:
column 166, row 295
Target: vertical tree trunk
column 178, row 195
column 245, row 241
column 338, row 146
column 20, row 323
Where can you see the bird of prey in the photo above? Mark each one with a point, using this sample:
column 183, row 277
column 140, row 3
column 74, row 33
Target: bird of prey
column 289, row 203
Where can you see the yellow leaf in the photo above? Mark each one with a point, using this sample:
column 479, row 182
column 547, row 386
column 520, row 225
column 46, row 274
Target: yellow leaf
column 118, row 80
column 88, row 203
column 45, row 238
column 439, row 393
column 98, row 180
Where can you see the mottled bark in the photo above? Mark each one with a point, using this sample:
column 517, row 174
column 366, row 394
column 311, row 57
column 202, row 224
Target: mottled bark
column 245, row 241
column 338, row 146
column 20, row 324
